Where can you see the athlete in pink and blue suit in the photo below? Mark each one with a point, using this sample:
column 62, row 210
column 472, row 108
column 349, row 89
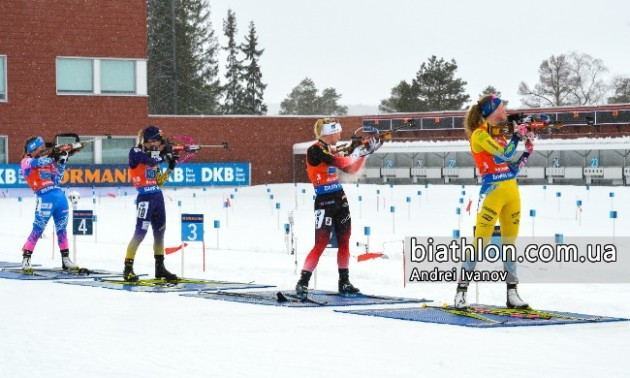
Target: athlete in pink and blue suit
column 43, row 175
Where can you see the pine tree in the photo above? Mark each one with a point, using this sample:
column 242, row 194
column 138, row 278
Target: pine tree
column 404, row 98
column 438, row 89
column 198, row 69
column 328, row 103
column 252, row 77
column 160, row 75
column 621, row 86
column 233, row 91
column 182, row 71
column 434, row 88
column 304, row 100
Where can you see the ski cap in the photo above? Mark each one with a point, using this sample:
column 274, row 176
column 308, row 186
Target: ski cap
column 490, row 106
column 333, row 127
column 34, row 144
column 152, row 133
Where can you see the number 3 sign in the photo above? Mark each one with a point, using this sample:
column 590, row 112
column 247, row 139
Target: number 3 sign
column 192, row 227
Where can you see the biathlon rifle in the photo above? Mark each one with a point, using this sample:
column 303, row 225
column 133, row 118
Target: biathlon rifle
column 536, row 124
column 185, row 148
column 362, row 136
column 54, row 150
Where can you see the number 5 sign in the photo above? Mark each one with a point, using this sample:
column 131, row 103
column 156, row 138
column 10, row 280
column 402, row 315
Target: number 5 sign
column 192, row 230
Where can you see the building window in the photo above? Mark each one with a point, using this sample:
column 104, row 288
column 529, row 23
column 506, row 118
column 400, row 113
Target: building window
column 75, row 76
column 85, row 156
column 3, row 78
column 101, row 76
column 116, row 150
column 118, row 76
column 3, row 150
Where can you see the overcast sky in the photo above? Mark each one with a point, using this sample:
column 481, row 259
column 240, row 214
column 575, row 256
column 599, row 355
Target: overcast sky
column 363, row 48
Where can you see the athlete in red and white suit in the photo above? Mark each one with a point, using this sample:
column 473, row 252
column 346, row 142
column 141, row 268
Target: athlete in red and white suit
column 331, row 203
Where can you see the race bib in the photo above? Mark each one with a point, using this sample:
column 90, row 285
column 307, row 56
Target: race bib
column 143, row 209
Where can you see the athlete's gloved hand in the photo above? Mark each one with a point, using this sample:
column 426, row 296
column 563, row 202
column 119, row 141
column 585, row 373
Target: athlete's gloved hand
column 367, row 149
column 373, row 145
column 63, row 157
column 171, row 159
column 522, row 131
column 516, row 166
column 529, row 146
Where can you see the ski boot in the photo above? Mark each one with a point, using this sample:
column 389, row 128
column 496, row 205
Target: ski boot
column 460, row 298
column 27, row 268
column 346, row 289
column 128, row 273
column 513, row 299
column 160, row 269
column 66, row 263
column 301, row 288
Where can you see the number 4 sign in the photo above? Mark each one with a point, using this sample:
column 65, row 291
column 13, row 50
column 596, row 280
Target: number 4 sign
column 192, row 230
column 82, row 222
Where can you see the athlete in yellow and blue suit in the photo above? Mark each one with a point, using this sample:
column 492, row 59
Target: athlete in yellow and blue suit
column 499, row 197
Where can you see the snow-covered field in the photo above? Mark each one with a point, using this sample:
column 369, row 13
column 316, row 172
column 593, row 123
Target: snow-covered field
column 53, row 330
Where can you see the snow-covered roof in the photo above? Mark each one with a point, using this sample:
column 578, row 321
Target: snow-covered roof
column 622, row 143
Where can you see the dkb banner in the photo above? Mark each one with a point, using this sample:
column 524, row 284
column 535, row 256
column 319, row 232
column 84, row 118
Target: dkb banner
column 187, row 174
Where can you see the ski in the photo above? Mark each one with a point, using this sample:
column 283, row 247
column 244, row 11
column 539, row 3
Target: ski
column 525, row 313
column 358, row 295
column 292, row 298
column 31, row 272
column 78, row 272
column 146, row 283
column 464, row 312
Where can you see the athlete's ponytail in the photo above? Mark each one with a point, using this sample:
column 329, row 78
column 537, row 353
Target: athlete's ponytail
column 474, row 118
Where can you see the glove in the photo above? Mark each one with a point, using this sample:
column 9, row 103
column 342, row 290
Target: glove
column 161, row 178
column 375, row 144
column 522, row 131
column 529, row 146
column 367, row 149
column 171, row 159
column 63, row 157
column 519, row 164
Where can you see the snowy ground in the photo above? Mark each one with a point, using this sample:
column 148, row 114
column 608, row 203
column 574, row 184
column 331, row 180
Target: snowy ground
column 53, row 330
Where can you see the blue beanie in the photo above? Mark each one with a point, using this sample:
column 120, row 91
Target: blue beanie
column 152, row 133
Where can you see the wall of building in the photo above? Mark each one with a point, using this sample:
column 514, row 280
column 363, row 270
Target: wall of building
column 34, row 33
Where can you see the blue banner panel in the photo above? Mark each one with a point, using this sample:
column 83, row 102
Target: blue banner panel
column 210, row 174
column 187, row 174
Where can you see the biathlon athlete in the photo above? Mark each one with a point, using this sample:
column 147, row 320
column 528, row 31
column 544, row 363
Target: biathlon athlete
column 499, row 196
column 331, row 204
column 144, row 163
column 43, row 175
